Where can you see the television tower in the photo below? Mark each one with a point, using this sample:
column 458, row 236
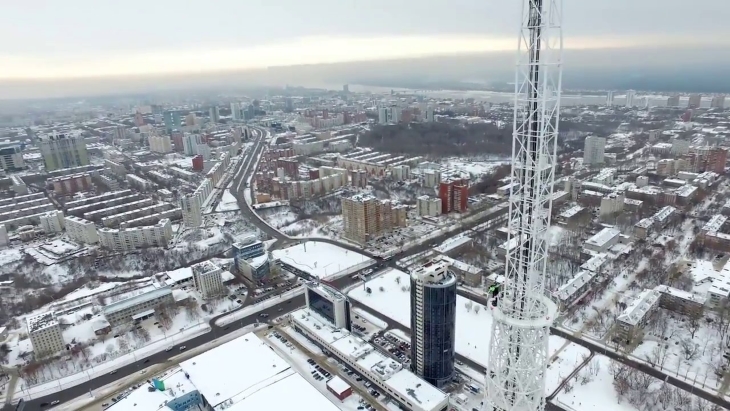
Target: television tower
column 518, row 349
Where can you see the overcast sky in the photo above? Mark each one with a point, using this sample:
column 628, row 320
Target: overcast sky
column 78, row 38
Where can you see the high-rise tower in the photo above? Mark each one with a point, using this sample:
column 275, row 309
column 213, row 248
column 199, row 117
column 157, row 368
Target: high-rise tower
column 433, row 322
column 518, row 349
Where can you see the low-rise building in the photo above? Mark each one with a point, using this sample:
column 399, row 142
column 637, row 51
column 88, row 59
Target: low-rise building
column 681, row 301
column 632, row 320
column 125, row 310
column 603, row 240
column 45, row 334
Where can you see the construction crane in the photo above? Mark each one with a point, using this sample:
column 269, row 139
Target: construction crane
column 518, row 348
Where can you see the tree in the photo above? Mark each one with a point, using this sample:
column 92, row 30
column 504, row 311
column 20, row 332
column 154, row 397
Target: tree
column 657, row 356
column 109, row 348
column 694, row 323
column 690, row 350
column 123, row 344
column 468, row 305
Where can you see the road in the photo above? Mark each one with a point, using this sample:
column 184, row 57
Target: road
column 163, row 357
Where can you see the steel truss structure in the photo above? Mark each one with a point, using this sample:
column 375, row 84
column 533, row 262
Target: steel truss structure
column 518, row 349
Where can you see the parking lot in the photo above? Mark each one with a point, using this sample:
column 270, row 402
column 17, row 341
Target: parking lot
column 394, row 346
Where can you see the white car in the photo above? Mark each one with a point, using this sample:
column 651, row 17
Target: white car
column 182, row 347
column 56, row 402
column 168, row 348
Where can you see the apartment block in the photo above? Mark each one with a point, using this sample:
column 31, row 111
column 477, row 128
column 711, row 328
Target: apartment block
column 45, row 334
column 52, row 222
column 160, row 144
column 681, row 301
column 128, row 239
column 63, row 151
column 366, row 218
column 81, row 230
column 429, row 206
column 208, row 279
column 593, row 150
column 632, row 320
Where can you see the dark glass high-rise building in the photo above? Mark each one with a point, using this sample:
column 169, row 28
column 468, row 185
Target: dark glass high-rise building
column 433, row 322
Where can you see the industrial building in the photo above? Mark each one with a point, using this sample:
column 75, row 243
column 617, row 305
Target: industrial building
column 433, row 322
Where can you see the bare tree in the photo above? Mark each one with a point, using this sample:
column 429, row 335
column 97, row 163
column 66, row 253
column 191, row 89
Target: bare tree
column 690, row 350
column 694, row 323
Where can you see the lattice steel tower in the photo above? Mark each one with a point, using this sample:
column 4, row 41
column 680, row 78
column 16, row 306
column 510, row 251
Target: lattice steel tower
column 518, row 347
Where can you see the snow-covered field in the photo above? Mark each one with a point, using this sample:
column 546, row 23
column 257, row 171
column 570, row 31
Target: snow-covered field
column 227, row 203
column 278, row 217
column 322, row 260
column 564, row 363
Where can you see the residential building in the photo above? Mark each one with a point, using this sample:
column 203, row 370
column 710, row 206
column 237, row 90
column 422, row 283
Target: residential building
column 45, row 334
column 128, row 239
column 695, row 101
column 718, row 101
column 81, row 230
column 609, row 99
column 190, row 143
column 160, row 144
column 630, row 98
column 401, row 172
column 680, row 301
column 63, row 151
column 454, row 196
column 366, row 218
column 52, row 222
column 716, row 160
column 215, row 115
column 433, row 322
column 632, row 320
column 208, row 279
column 594, row 150
column 138, row 306
column 673, row 101
column 11, row 157
column 429, row 206
column 192, row 214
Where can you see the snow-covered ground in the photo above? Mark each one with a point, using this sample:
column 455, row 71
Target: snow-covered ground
column 322, row 260
column 253, row 309
column 227, row 203
column 564, row 363
column 278, row 217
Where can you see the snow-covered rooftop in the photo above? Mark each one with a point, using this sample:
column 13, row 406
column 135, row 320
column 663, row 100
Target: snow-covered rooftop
column 292, row 392
column 176, row 386
column 181, row 274
column 715, row 223
column 452, row 243
column 245, row 364
column 322, row 260
column 603, row 237
column 137, row 299
column 634, row 313
column 685, row 295
column 338, row 385
column 41, row 321
column 568, row 291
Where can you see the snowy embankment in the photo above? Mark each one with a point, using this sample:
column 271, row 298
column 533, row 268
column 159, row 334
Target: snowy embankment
column 253, row 309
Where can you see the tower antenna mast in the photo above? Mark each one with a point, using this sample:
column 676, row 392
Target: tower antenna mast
column 518, row 348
